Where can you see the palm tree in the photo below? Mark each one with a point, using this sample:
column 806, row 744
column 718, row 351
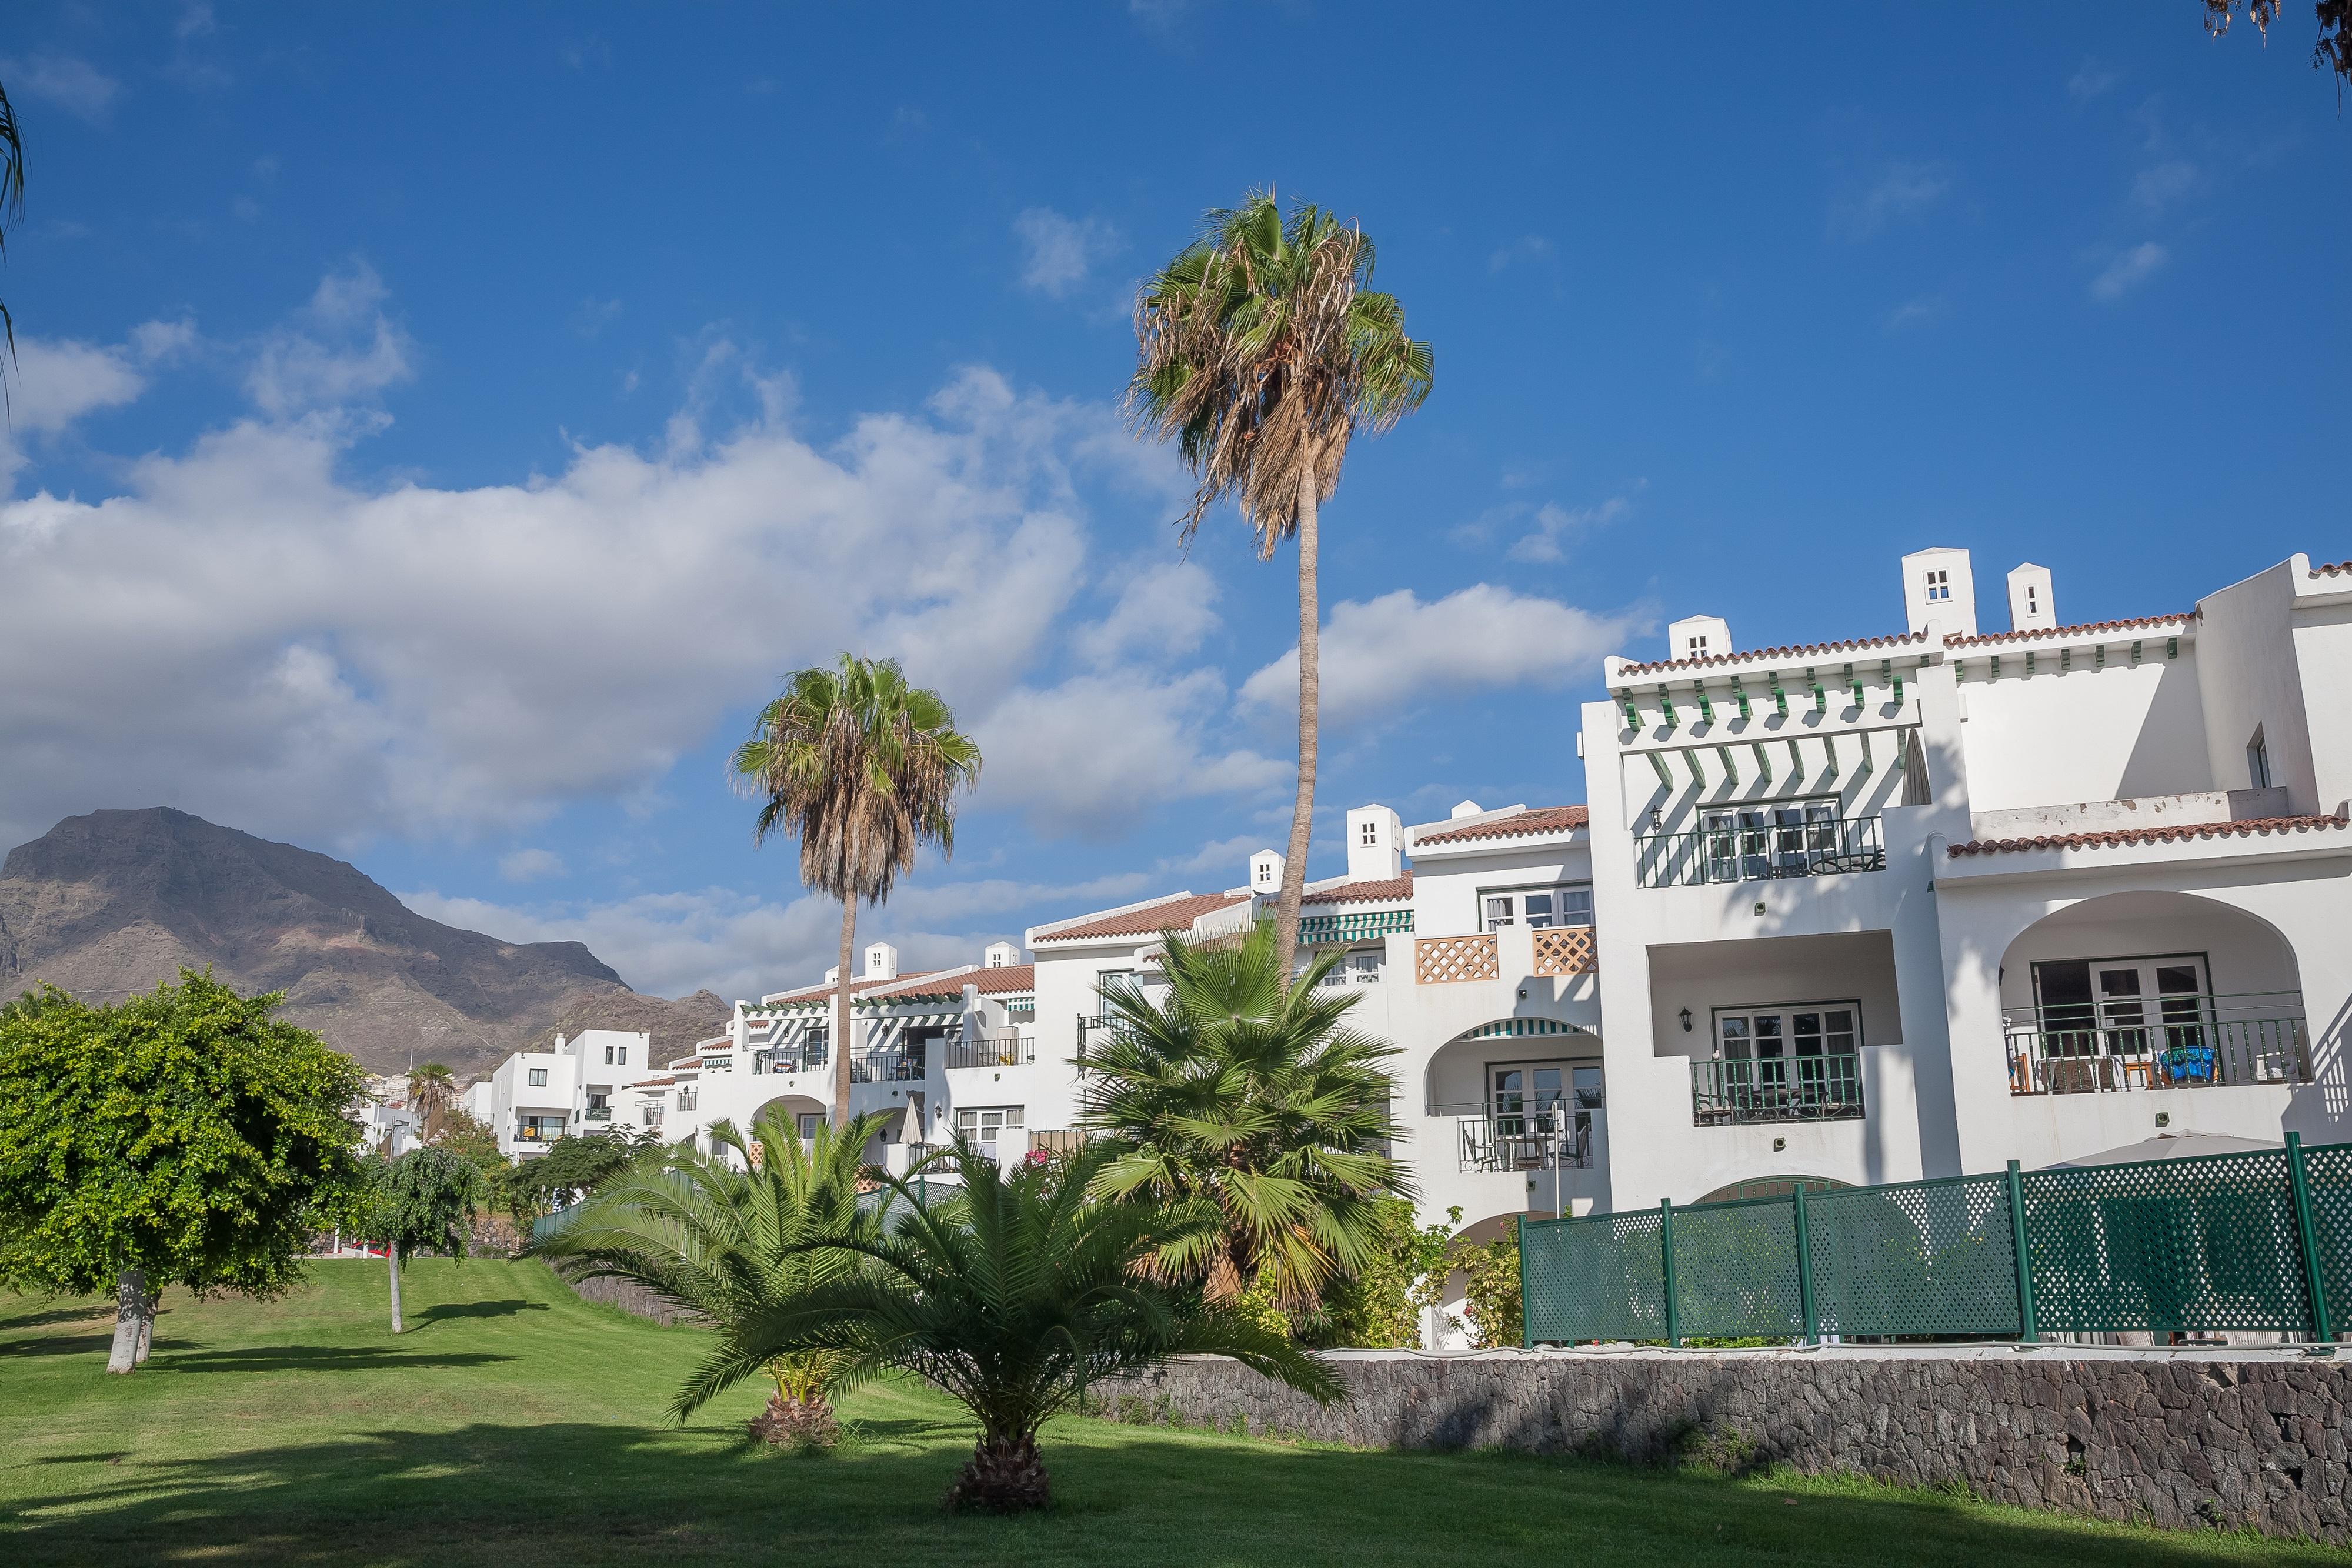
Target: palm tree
column 12, row 202
column 724, row 1236
column 1256, row 1097
column 1016, row 1297
column 1262, row 351
column 866, row 769
column 432, row 1089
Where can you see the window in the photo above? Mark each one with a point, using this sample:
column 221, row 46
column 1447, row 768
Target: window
column 2033, row 600
column 1542, row 908
column 1367, row 834
column 1697, row 645
column 1939, row 587
column 1771, row 1036
column 608, row 1055
column 2258, row 761
column 990, row 1125
column 1266, row 874
column 1126, row 982
column 810, row 1121
column 1765, row 841
column 538, row 1077
column 624, row 1056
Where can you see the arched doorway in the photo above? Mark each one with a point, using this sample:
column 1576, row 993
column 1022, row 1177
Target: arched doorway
column 1772, row 1188
column 1519, row 1092
column 2151, row 990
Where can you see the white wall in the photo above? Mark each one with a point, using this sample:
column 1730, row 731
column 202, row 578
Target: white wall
column 2086, row 735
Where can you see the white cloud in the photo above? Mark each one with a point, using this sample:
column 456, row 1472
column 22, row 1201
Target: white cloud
column 2160, row 185
column 245, row 633
column 1096, row 754
column 2128, row 271
column 1162, row 613
column 1922, row 312
column 1380, row 657
column 1058, row 252
column 2089, row 81
column 58, row 380
column 1530, row 247
column 1898, row 191
column 1557, row 526
column 339, row 350
column 195, row 21
column 530, row 865
column 73, row 84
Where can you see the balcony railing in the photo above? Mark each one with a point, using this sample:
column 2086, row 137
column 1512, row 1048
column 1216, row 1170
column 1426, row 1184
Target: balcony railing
column 790, row 1059
column 2181, row 1041
column 992, row 1049
column 597, row 1113
column 1759, row 852
column 1566, row 949
column 885, row 1067
column 1442, row 960
column 1740, row 1091
column 1489, row 1140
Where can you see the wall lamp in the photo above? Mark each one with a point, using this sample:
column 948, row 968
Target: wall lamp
column 1685, row 1020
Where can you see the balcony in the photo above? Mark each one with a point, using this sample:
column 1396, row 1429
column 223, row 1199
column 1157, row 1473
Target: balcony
column 992, row 1049
column 597, row 1113
column 887, row 1067
column 790, row 1059
column 2195, row 1041
column 1446, row 959
column 1748, row 1091
column 1756, row 850
column 1487, row 1141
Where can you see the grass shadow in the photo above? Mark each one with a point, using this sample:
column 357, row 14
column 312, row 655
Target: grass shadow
column 317, row 1357
column 448, row 1310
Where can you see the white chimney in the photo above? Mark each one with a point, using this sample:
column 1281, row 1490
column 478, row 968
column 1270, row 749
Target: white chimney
column 1698, row 637
column 833, row 975
column 999, row 955
column 881, row 961
column 1938, row 587
column 2031, row 607
column 1375, row 844
column 1466, row 808
column 1266, row 873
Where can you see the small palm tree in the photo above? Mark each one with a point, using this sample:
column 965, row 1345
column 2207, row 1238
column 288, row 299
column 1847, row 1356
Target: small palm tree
column 726, row 1234
column 432, row 1089
column 865, row 770
column 1016, row 1297
column 1262, row 350
column 1256, row 1097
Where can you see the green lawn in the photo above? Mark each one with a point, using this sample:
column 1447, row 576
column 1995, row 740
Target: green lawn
column 515, row 1424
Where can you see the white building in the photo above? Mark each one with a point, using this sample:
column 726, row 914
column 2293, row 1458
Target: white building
column 578, row 1085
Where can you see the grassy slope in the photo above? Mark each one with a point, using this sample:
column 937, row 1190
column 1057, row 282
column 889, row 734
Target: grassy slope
column 515, row 1424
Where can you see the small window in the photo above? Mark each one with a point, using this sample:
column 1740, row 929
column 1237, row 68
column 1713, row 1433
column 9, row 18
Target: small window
column 608, row 1055
column 1265, row 872
column 810, row 1122
column 538, row 1077
column 1697, row 646
column 1939, row 587
column 2258, row 761
column 2032, row 601
column 1369, row 833
column 624, row 1056
column 1542, row 908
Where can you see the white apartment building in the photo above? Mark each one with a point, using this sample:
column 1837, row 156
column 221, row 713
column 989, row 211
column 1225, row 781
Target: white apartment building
column 584, row 1084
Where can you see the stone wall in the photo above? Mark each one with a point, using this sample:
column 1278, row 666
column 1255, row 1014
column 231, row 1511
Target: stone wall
column 630, row 1297
column 2179, row 1438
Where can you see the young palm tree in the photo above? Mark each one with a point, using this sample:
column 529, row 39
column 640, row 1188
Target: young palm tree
column 864, row 769
column 1256, row 1097
column 432, row 1089
column 724, row 1236
column 1014, row 1297
column 1263, row 351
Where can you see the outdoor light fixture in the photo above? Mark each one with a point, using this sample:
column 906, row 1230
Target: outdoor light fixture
column 1779, row 1144
column 1685, row 1020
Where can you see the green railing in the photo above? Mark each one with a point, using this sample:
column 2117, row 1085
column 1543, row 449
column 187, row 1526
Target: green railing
column 597, row 1113
column 1759, row 852
column 1737, row 1091
column 2181, row 1040
column 2252, row 1242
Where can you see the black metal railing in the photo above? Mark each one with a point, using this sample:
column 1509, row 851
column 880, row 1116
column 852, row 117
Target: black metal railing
column 992, row 1048
column 887, row 1067
column 1556, row 1140
column 1740, row 1090
column 1758, row 850
column 790, row 1059
column 2181, row 1040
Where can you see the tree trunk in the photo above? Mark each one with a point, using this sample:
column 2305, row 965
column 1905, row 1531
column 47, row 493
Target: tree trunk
column 841, row 1013
column 129, row 1312
column 146, row 1327
column 1310, row 675
column 1005, row 1475
column 393, row 1252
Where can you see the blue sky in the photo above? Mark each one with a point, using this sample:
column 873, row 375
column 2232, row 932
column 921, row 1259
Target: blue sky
column 436, row 429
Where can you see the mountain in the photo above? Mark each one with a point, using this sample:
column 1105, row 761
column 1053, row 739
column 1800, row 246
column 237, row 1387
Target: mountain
column 115, row 901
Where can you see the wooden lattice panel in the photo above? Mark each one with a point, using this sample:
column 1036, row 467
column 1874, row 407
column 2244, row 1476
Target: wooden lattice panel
column 1437, row 960
column 1566, row 950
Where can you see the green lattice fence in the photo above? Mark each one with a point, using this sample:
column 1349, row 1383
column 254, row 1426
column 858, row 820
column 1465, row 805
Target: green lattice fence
column 2249, row 1241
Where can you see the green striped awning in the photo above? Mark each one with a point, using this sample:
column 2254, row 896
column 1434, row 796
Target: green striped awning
column 1330, row 928
column 1512, row 1028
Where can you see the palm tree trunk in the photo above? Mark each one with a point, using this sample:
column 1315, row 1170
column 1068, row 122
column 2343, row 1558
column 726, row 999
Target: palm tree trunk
column 393, row 1252
column 841, row 1013
column 129, row 1312
column 1005, row 1475
column 1310, row 675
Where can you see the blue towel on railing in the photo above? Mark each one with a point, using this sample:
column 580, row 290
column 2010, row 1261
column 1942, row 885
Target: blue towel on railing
column 2189, row 1064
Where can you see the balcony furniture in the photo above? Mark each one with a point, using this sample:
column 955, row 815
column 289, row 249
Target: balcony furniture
column 2254, row 1038
column 1744, row 1091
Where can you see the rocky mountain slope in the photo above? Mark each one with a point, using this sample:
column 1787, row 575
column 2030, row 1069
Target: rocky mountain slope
column 117, row 901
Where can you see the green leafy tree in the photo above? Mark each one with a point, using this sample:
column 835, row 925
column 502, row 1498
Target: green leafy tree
column 571, row 1168
column 1014, row 1297
column 2333, row 52
column 731, row 1233
column 1490, row 1289
column 1379, row 1306
column 183, row 1137
column 424, row 1201
column 1255, row 1097
column 473, row 1142
column 864, row 769
column 1262, row 351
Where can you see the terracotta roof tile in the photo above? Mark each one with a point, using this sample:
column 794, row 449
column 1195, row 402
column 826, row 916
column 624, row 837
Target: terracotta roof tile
column 2079, row 630
column 2169, row 835
column 825, row 988
column 1364, row 893
column 2332, row 568
column 1808, row 650
column 1005, row 980
column 1176, row 912
column 1543, row 819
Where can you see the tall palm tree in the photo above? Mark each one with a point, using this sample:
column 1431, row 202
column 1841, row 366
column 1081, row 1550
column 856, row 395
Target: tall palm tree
column 12, row 202
column 728, row 1237
column 1256, row 1097
column 1014, row 1297
column 432, row 1089
column 1263, row 351
column 865, row 768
